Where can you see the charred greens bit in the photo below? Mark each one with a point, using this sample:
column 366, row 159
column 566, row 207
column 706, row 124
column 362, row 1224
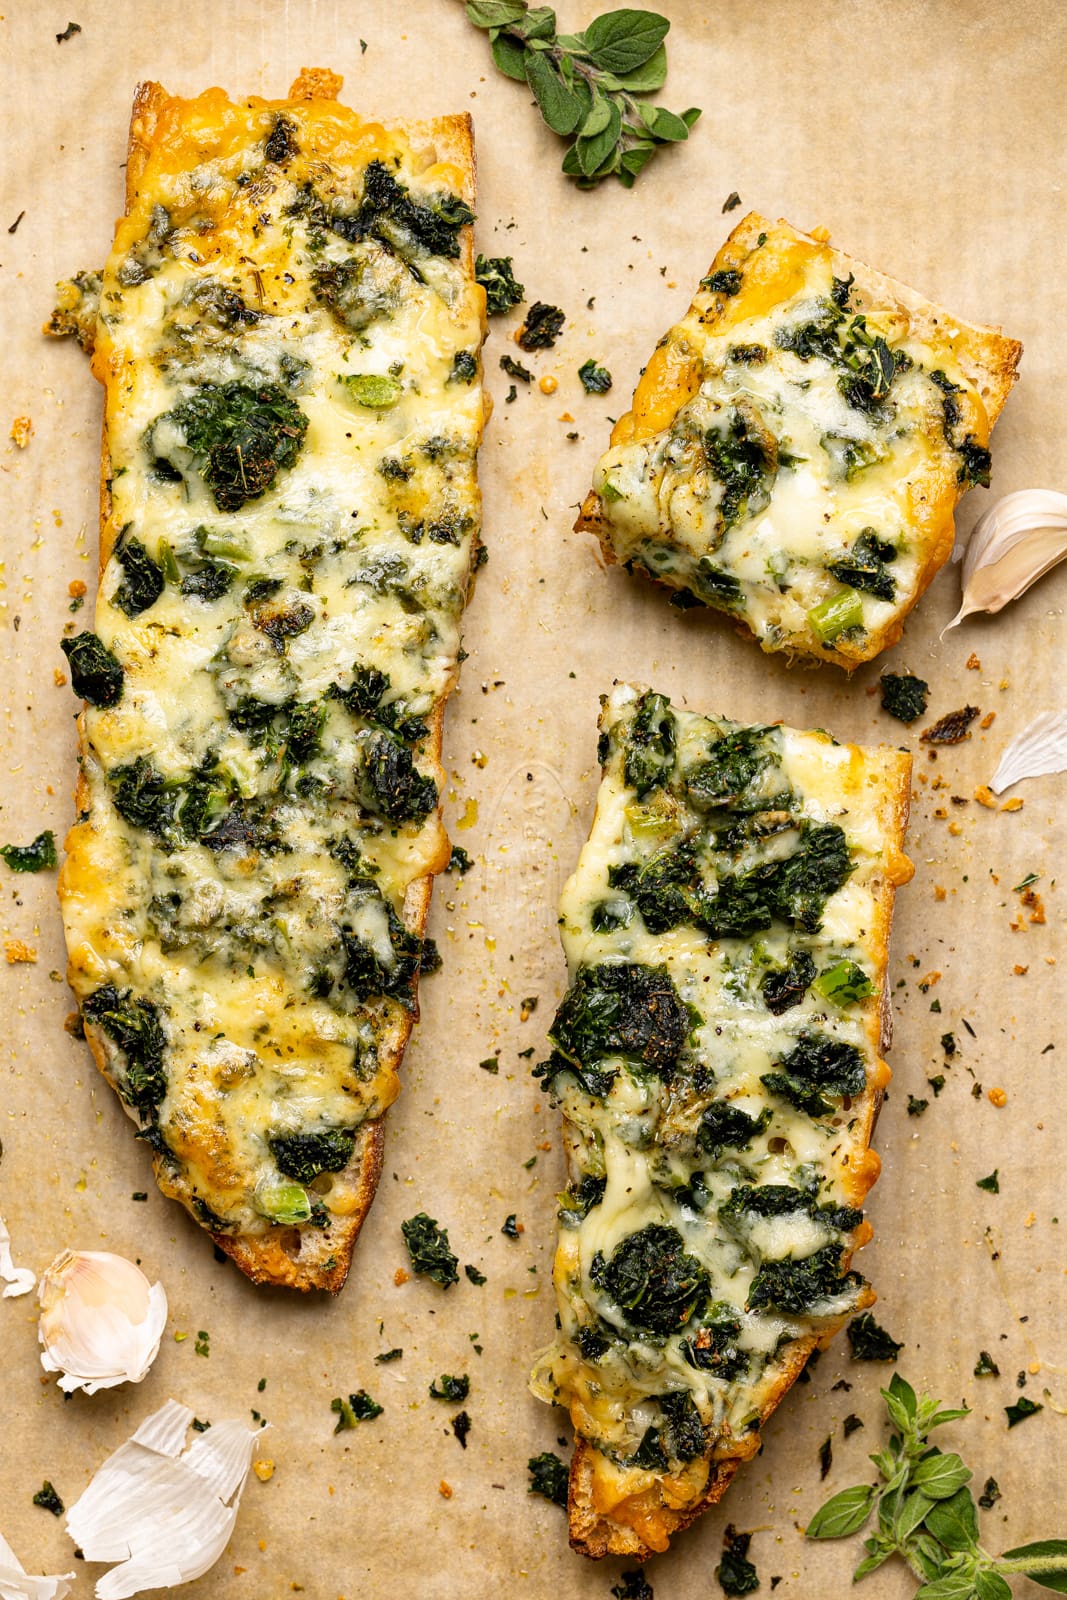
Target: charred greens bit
column 353, row 291
column 37, row 856
column 985, row 1366
column 428, row 1248
column 716, row 586
column 575, row 1204
column 48, row 1500
column 610, row 915
column 446, row 1387
column 474, row 1275
column 135, row 1027
column 653, row 1279
column 735, row 1572
column 281, row 145
column 794, row 889
column 304, row 1155
column 593, row 1081
column 866, row 566
column 990, row 1184
column 459, row 861
column 950, row 729
column 364, row 696
column 738, row 456
column 390, row 785
column 666, row 890
column 305, row 722
column 282, row 620
column 95, row 674
column 990, row 1494
column 622, row 1009
column 388, row 211
column 385, row 1358
column 727, row 282
column 795, row 1287
column 836, row 615
column 359, row 1407
column 510, row 1229
column 632, row 1585
column 595, row 380
column 844, row 984
column 680, row 1438
column 240, row 436
column 850, row 457
column 461, row 1426
column 817, row 337
column 650, row 741
column 209, row 581
column 542, row 327
column 733, row 761
column 1022, row 1409
column 142, row 584
column 548, row 1477
column 515, row 369
column 502, row 289
column 872, row 368
column 368, row 976
column 747, row 355
column 786, row 987
column 903, row 695
column 870, row 1342
column 975, row 459
column 724, row 1127
column 714, row 1348
column 464, row 367
column 815, row 1067
column 77, row 309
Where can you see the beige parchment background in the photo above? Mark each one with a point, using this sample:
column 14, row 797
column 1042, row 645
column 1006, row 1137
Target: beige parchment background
column 929, row 138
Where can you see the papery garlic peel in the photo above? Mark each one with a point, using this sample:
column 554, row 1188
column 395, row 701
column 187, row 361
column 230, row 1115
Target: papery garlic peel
column 101, row 1320
column 1039, row 749
column 19, row 1280
column 18, row 1584
column 1014, row 543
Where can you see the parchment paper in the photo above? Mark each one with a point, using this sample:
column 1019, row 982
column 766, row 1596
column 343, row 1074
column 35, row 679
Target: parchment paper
column 929, row 138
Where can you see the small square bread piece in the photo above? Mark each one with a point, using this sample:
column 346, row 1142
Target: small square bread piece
column 718, row 1061
column 797, row 445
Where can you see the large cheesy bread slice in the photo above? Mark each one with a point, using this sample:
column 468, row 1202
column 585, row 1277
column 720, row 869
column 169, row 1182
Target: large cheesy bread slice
column 718, row 1060
column 797, row 444
column 288, row 336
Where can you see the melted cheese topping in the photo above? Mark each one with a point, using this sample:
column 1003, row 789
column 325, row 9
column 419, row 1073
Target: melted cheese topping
column 795, row 451
column 260, row 805
column 716, row 1058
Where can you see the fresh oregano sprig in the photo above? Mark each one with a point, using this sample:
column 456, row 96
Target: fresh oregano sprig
column 588, row 85
column 925, row 1513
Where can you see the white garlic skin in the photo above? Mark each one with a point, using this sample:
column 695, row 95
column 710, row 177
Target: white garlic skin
column 101, row 1320
column 1015, row 542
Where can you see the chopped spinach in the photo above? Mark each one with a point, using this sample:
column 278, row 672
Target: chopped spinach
column 464, row 367
column 95, row 674
column 48, row 1500
column 816, row 1066
column 621, row 1009
column 575, row 1204
column 143, row 580
column 502, row 289
column 653, row 1279
column 240, row 436
column 714, row 1347
column 446, row 1387
column 134, row 1025
column 428, row 1248
column 785, row 987
column 37, row 856
column 304, row 1155
column 796, row 1286
column 632, row 1585
column 866, row 566
column 390, row 785
column 209, row 581
column 650, row 741
column 359, row 1407
column 735, row 1572
column 459, row 861
column 542, row 327
column 726, row 1127
column 474, row 1276
column 366, row 973
column 990, row 1494
column 548, row 1477
column 595, row 380
column 732, row 762
column 738, row 457
column 794, row 888
column 903, row 695
column 991, row 1184
column 868, row 1341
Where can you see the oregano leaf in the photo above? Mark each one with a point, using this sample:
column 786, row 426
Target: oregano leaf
column 621, row 41
column 509, row 57
column 495, row 13
column 559, row 106
column 842, row 1514
column 645, row 79
column 955, row 1521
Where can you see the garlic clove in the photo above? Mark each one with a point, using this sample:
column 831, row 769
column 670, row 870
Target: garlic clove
column 18, row 1584
column 162, row 1510
column 101, row 1320
column 19, row 1280
column 1015, row 542
column 1039, row 749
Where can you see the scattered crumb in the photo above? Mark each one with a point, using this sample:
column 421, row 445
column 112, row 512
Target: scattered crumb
column 400, row 1276
column 1014, row 804
column 998, row 1097
column 1020, row 972
column 988, row 720
column 939, row 893
column 548, row 384
column 21, row 430
column 15, row 951
column 58, row 678
column 955, row 828
column 972, row 663
column 444, row 1490
column 985, row 797
column 76, row 589
column 930, row 979
column 264, row 1470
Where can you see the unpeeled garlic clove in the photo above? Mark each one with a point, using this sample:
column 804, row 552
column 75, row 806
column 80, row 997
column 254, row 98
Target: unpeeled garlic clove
column 1014, row 543
column 1039, row 749
column 101, row 1320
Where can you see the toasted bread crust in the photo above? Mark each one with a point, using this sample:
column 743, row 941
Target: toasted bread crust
column 291, row 1258
column 989, row 359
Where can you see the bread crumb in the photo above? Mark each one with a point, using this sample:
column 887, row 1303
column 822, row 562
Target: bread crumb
column 565, row 416
column 1014, row 804
column 547, row 1145
column 400, row 1276
column 997, row 1097
column 985, row 797
column 21, row 430
column 548, row 384
column 444, row 1490
column 988, row 720
column 940, row 813
column 1030, row 1219
column 930, row 979
column 955, row 828
column 1034, row 1368
column 264, row 1470
column 939, row 893
column 1020, row 972
column 58, row 678
column 76, row 588
column 316, row 83
column 16, row 950
column 262, row 1544
column 972, row 663
column 238, row 1571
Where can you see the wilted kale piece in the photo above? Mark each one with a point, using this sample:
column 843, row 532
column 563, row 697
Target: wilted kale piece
column 679, row 1438
column 389, row 783
column 428, row 1248
column 542, row 327
column 95, row 674
column 794, row 889
column 368, row 976
column 782, row 1200
column 715, row 586
column 548, row 1477
column 135, row 1027
column 209, row 581
column 576, row 1204
column 666, row 888
column 502, row 290
column 714, row 1347
column 621, row 1009
column 363, row 698
column 725, row 1127
column 304, row 1155
column 594, row 379
column 37, row 856
column 795, row 1286
column 242, row 436
column 446, row 1387
column 653, row 1279
column 866, row 566
column 735, row 1572
column 464, row 367
column 305, row 720
column 388, row 211
column 903, row 695
column 727, row 282
column 650, row 740
column 738, row 458
column 786, row 987
column 869, row 1341
column 975, row 459
column 732, row 763
column 281, row 145
column 359, row 1407
column 143, row 582
column 815, row 1067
